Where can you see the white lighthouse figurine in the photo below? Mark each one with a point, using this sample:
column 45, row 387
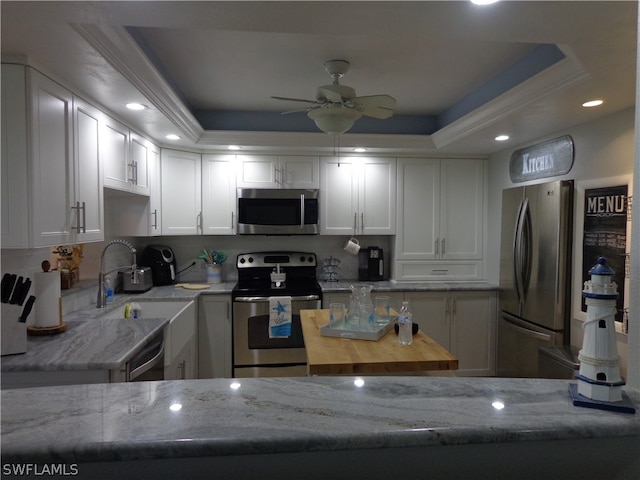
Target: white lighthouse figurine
column 599, row 377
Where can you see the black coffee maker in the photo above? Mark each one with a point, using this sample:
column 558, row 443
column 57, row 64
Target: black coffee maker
column 162, row 262
column 370, row 264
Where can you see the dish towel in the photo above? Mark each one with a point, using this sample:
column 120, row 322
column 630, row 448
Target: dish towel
column 279, row 317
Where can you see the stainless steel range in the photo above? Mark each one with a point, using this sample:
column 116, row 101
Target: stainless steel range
column 261, row 277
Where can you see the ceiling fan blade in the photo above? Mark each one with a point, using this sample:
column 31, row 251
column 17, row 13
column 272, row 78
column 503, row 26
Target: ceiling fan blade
column 289, row 99
column 333, row 95
column 298, row 110
column 376, row 106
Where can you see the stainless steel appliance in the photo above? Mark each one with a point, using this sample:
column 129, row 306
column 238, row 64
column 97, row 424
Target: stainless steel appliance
column 146, row 365
column 535, row 274
column 162, row 262
column 370, row 264
column 277, row 212
column 144, row 284
column 294, row 275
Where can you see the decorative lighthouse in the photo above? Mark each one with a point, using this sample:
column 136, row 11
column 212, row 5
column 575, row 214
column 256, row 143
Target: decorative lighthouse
column 599, row 378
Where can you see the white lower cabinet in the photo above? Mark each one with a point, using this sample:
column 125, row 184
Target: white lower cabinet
column 181, row 345
column 214, row 337
column 463, row 322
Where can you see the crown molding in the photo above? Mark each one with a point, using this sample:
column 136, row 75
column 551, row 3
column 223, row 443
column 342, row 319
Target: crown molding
column 561, row 75
column 118, row 48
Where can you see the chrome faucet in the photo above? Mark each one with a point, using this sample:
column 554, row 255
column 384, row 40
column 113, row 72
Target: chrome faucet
column 134, row 268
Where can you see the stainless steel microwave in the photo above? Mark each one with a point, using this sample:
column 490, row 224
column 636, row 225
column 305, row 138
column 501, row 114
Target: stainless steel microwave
column 263, row 211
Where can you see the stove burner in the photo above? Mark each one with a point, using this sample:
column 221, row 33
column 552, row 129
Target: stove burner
column 276, row 273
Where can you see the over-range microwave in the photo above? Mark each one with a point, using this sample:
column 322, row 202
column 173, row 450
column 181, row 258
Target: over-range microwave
column 265, row 211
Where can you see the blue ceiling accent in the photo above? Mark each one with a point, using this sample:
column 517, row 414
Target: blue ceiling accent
column 539, row 59
column 299, row 122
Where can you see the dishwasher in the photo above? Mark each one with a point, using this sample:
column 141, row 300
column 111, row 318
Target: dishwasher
column 146, row 365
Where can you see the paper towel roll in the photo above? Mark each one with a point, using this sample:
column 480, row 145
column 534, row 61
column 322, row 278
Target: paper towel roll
column 47, row 306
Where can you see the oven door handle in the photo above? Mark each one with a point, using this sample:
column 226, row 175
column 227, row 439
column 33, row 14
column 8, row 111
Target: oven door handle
column 301, row 298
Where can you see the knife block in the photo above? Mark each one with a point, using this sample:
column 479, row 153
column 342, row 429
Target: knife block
column 14, row 333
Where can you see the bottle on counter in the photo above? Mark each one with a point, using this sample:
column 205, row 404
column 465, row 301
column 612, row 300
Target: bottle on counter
column 405, row 324
column 108, row 291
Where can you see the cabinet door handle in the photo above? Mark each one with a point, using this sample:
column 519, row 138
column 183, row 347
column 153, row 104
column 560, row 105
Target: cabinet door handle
column 155, row 219
column 361, row 222
column 355, row 222
column 443, row 247
column 81, row 217
column 199, row 221
column 437, row 246
column 232, row 217
column 132, row 175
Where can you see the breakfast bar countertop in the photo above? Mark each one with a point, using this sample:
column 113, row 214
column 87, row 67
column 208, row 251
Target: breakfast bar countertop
column 246, row 421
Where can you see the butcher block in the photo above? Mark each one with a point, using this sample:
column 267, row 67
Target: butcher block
column 348, row 356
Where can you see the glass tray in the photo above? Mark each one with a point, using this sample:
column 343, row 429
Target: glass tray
column 373, row 335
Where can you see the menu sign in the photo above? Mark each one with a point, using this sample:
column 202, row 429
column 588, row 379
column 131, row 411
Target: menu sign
column 605, row 234
column 547, row 159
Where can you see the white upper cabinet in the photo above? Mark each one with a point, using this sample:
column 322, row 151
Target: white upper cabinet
column 155, row 191
column 358, row 196
column 14, row 215
column 124, row 155
column 52, row 190
column 218, row 194
column 89, row 209
column 181, row 186
column 440, row 219
column 141, row 149
column 271, row 171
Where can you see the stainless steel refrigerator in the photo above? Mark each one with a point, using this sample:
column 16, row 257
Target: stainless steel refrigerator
column 535, row 274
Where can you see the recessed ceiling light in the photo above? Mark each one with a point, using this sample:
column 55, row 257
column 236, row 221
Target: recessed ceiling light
column 135, row 106
column 172, row 136
column 502, row 138
column 233, row 147
column 359, row 149
column 592, row 103
column 484, row 2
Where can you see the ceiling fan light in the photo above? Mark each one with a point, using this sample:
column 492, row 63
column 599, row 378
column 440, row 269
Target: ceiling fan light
column 334, row 119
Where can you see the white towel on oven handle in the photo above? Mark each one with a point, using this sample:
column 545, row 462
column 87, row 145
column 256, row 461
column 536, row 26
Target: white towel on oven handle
column 279, row 317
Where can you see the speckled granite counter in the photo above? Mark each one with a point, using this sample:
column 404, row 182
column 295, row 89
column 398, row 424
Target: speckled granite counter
column 94, row 343
column 311, row 423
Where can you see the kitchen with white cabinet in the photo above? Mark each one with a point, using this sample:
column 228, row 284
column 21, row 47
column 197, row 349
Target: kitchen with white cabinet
column 79, row 170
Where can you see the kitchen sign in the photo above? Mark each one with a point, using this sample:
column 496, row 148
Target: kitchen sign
column 542, row 160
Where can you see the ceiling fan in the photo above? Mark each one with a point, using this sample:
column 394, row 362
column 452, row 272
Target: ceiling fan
column 336, row 107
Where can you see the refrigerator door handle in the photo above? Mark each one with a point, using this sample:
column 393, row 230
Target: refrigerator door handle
column 526, row 331
column 517, row 253
column 527, row 244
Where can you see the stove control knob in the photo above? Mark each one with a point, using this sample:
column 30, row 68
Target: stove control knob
column 302, row 259
column 242, row 260
column 250, row 259
column 310, row 259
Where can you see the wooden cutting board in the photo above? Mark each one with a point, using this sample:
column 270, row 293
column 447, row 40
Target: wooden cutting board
column 193, row 286
column 335, row 356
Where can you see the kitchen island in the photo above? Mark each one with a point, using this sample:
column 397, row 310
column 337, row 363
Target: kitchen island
column 319, row 428
column 338, row 356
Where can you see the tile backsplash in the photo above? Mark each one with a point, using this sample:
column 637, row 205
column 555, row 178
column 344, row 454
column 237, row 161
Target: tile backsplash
column 187, row 248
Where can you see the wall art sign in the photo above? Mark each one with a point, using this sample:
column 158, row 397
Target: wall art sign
column 547, row 159
column 605, row 234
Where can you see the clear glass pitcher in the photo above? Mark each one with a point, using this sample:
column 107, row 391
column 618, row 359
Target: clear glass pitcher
column 360, row 307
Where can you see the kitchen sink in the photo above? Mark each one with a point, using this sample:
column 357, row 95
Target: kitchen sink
column 151, row 309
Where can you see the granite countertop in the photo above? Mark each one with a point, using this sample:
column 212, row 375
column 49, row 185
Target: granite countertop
column 391, row 286
column 227, row 417
column 91, row 342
